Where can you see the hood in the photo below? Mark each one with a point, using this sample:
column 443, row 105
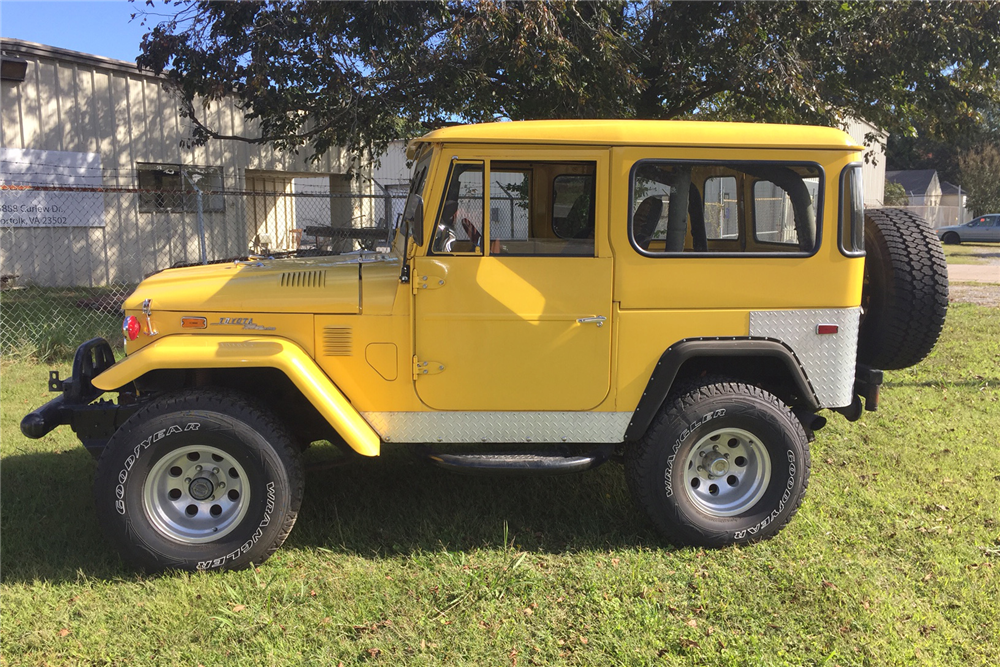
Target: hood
column 300, row 285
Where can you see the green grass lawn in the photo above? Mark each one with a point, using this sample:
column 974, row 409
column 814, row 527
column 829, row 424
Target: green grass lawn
column 972, row 253
column 894, row 558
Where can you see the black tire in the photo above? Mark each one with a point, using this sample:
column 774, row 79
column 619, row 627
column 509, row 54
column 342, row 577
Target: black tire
column 662, row 477
column 214, row 452
column 905, row 295
column 951, row 238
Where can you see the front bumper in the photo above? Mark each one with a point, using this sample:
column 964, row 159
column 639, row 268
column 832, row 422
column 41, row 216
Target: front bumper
column 94, row 423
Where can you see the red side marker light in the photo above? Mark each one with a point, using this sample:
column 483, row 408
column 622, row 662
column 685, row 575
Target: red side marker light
column 822, row 329
column 131, row 327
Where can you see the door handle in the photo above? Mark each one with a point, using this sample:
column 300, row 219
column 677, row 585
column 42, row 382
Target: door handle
column 600, row 319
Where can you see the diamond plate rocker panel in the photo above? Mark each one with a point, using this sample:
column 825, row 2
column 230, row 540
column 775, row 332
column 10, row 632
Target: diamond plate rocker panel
column 499, row 427
column 828, row 359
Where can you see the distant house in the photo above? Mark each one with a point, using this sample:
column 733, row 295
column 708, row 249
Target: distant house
column 922, row 186
column 952, row 195
column 939, row 202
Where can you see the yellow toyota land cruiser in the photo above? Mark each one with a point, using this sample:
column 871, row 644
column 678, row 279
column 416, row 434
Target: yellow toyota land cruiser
column 684, row 298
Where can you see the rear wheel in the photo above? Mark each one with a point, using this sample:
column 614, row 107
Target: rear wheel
column 905, row 295
column 199, row 480
column 723, row 463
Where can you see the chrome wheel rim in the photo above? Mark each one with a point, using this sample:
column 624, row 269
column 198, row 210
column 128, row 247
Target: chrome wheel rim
column 727, row 472
column 196, row 494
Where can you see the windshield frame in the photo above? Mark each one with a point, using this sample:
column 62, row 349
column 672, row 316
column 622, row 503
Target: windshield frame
column 417, row 182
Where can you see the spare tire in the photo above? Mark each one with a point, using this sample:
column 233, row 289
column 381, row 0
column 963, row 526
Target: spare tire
column 905, row 294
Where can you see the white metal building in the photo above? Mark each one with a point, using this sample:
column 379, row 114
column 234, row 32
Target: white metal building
column 74, row 119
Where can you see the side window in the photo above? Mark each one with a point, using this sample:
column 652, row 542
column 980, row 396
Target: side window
column 542, row 208
column 725, row 208
column 573, row 206
column 721, row 213
column 510, row 197
column 459, row 226
column 852, row 212
column 774, row 212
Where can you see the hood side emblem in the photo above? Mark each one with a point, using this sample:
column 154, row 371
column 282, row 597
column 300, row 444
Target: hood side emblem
column 147, row 311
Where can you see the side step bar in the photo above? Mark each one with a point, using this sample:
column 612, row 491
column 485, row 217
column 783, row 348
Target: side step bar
column 522, row 463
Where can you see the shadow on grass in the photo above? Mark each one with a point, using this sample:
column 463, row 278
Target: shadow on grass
column 970, row 382
column 384, row 507
column 975, row 250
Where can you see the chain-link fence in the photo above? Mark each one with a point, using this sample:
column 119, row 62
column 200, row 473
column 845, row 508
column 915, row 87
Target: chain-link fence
column 70, row 256
column 940, row 216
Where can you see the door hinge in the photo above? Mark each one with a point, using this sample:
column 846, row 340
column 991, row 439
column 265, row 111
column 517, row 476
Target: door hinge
column 421, row 368
column 425, row 282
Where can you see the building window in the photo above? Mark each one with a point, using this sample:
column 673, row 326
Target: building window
column 171, row 188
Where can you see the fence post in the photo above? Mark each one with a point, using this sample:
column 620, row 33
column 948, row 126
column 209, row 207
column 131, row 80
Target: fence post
column 201, row 224
column 203, row 254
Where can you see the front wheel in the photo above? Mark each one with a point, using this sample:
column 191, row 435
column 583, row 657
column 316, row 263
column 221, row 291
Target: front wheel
column 198, row 480
column 723, row 463
column 951, row 238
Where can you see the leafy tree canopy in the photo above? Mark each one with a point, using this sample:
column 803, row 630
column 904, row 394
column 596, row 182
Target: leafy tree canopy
column 980, row 170
column 316, row 75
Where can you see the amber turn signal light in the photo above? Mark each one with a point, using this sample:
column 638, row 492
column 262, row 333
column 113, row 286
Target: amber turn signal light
column 194, row 323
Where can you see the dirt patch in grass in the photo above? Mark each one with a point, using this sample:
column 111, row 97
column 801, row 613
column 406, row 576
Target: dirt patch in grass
column 985, row 294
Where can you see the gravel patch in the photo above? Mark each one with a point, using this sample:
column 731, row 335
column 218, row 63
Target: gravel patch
column 984, row 294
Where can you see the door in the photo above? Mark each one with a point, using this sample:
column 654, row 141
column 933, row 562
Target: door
column 993, row 231
column 513, row 303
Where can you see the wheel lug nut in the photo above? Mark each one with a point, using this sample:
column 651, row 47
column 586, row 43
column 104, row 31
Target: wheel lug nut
column 187, row 480
column 222, row 485
column 215, row 471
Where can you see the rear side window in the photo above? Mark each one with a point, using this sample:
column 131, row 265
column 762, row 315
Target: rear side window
column 738, row 208
column 852, row 212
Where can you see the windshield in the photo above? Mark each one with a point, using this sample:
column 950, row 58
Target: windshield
column 416, row 191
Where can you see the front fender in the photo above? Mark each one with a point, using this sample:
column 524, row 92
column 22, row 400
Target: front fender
column 184, row 351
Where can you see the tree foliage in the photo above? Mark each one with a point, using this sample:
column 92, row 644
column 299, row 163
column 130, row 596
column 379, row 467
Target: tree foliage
column 317, row 75
column 925, row 149
column 895, row 195
column 981, row 178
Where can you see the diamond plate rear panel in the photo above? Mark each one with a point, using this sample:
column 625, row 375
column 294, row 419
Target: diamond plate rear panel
column 828, row 359
column 497, row 427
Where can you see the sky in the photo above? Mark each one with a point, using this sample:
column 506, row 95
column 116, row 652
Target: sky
column 100, row 28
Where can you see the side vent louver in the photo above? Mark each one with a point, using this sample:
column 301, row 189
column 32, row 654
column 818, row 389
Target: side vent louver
column 303, row 279
column 337, row 341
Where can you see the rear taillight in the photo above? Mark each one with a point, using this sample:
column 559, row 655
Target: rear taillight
column 131, row 328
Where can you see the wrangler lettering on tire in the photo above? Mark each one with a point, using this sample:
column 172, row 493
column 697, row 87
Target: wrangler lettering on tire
column 723, row 463
column 199, row 480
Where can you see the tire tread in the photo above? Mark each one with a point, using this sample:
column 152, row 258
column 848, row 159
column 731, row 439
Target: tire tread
column 640, row 456
column 917, row 290
column 231, row 405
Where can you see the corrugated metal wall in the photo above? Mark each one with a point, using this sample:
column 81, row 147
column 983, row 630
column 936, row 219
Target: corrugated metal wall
column 873, row 170
column 85, row 104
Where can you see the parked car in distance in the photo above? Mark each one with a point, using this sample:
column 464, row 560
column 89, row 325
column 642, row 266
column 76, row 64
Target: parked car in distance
column 984, row 228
